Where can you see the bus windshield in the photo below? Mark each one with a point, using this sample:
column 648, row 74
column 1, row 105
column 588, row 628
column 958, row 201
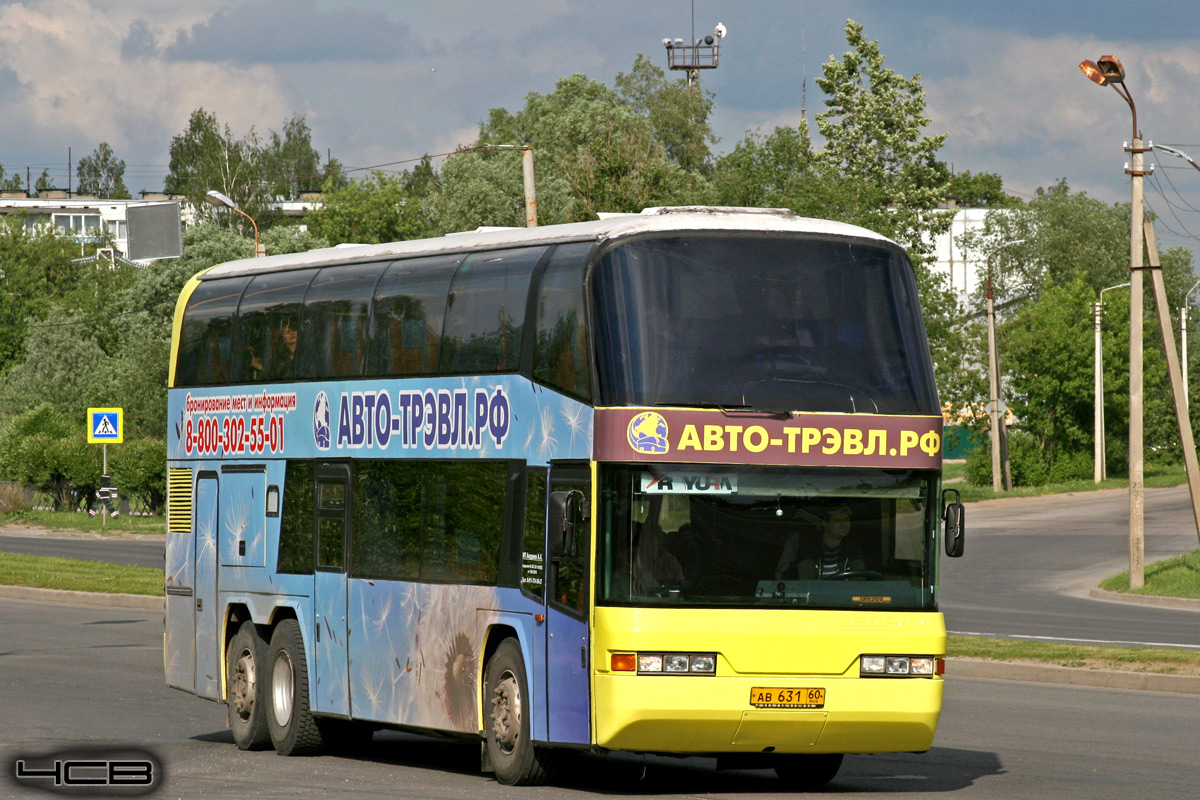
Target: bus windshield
column 778, row 323
column 701, row 535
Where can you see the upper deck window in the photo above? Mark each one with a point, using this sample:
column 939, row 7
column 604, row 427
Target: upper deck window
column 781, row 324
column 485, row 312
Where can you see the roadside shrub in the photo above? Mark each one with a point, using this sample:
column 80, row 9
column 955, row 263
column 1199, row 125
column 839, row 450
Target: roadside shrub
column 40, row 448
column 139, row 469
column 12, row 497
column 1028, row 462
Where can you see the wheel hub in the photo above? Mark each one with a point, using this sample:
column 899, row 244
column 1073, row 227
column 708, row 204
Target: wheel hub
column 242, row 690
column 506, row 712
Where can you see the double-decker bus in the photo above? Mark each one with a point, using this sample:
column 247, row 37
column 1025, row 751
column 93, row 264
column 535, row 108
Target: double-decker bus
column 662, row 483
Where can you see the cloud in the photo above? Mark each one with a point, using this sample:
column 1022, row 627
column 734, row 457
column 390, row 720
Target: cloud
column 70, row 88
column 287, row 31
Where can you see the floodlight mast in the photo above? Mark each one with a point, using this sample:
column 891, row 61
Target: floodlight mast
column 692, row 58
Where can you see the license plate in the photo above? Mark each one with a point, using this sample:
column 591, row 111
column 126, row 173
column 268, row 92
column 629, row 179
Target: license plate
column 776, row 697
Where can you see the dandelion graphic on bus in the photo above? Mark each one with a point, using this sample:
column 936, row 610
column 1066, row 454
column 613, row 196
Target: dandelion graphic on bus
column 648, row 433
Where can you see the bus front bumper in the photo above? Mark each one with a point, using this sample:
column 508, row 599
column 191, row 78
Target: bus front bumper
column 669, row 714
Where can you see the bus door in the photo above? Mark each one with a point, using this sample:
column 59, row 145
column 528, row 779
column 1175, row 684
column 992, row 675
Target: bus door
column 208, row 649
column 566, row 598
column 330, row 688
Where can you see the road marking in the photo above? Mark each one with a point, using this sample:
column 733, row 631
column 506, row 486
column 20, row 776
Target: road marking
column 1076, row 641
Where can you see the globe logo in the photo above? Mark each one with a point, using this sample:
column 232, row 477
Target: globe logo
column 321, row 421
column 648, row 433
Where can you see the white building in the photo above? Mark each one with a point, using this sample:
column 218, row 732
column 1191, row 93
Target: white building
column 949, row 258
column 82, row 216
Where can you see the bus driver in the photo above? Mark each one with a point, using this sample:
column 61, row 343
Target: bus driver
column 834, row 555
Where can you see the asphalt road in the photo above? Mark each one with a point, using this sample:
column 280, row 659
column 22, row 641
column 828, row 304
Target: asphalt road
column 84, row 676
column 140, row 552
column 1030, row 564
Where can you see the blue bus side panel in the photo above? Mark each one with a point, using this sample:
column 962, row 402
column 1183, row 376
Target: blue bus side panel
column 415, row 649
column 208, row 651
column 179, row 658
column 567, row 693
column 243, row 541
column 330, row 694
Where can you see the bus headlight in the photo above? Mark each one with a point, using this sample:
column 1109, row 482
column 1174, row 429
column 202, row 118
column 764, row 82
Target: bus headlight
column 677, row 663
column 900, row 666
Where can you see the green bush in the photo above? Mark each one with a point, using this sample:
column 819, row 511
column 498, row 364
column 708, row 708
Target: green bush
column 40, row 448
column 139, row 469
column 1028, row 463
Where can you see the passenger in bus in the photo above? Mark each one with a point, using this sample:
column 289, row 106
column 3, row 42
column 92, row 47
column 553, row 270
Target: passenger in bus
column 834, row 552
column 283, row 359
column 653, row 563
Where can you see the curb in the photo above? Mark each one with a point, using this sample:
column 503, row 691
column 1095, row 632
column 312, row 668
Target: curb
column 142, row 601
column 1145, row 599
column 1072, row 676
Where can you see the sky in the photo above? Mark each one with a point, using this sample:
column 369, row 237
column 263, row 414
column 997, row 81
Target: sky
column 384, row 81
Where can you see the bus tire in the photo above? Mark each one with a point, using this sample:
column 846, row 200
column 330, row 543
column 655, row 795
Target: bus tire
column 293, row 728
column 807, row 771
column 513, row 757
column 246, row 688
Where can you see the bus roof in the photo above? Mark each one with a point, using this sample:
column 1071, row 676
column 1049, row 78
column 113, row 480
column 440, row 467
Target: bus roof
column 651, row 220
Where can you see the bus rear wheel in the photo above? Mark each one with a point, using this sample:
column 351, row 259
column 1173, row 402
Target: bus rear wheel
column 294, row 731
column 806, row 771
column 510, row 749
column 246, row 690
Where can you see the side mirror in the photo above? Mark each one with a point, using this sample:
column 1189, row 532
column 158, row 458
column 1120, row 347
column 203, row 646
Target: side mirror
column 953, row 518
column 562, row 513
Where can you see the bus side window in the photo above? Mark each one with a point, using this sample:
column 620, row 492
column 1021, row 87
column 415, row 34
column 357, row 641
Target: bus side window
column 533, row 548
column 561, row 346
column 267, row 337
column 336, row 309
column 206, row 333
column 296, row 520
column 485, row 312
column 409, row 304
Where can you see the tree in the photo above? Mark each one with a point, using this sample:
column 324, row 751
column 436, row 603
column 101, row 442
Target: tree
column 102, row 174
column 593, row 153
column 12, row 183
column 678, row 115
column 44, row 183
column 375, row 209
column 872, row 126
column 36, row 271
column 291, row 239
column 207, row 156
column 981, row 190
column 290, row 164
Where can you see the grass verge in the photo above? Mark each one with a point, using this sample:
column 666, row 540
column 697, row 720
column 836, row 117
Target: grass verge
column 1157, row 477
column 1172, row 577
column 1165, row 661
column 47, row 572
column 77, row 521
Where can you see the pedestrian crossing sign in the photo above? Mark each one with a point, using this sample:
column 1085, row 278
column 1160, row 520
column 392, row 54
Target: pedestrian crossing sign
column 105, row 425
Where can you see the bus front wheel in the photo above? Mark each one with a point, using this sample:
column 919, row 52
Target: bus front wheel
column 246, row 690
column 807, row 771
column 506, row 706
column 294, row 731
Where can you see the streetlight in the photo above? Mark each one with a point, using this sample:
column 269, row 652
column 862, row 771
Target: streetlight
column 1100, row 471
column 216, row 199
column 1107, row 71
column 999, row 432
